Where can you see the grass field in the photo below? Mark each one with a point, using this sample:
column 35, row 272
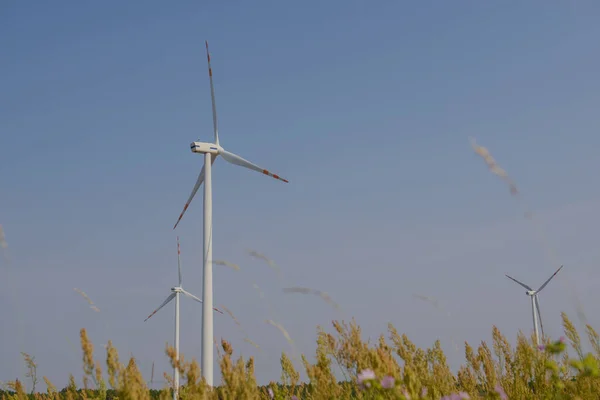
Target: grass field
column 394, row 368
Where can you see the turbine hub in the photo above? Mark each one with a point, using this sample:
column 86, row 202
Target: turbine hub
column 203, row 148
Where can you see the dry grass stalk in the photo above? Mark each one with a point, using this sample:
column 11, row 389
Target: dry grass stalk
column 305, row 290
column 282, row 330
column 271, row 264
column 433, row 301
column 493, row 166
column 428, row 299
column 263, row 257
column 226, row 264
column 228, row 311
column 31, row 370
column 50, row 388
column 246, row 339
column 86, row 297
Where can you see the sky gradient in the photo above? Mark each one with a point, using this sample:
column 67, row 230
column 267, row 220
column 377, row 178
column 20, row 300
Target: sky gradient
column 365, row 107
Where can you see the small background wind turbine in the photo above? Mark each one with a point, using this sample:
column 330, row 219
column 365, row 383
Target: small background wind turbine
column 176, row 291
column 211, row 151
column 535, row 304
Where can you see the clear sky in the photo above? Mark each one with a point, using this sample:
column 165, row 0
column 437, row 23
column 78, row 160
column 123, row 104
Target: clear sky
column 366, row 107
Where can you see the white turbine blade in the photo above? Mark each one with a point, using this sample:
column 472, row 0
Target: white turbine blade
column 549, row 279
column 237, row 160
column 171, row 296
column 212, row 96
column 520, row 283
column 191, row 296
column 195, row 189
column 178, row 260
column 537, row 306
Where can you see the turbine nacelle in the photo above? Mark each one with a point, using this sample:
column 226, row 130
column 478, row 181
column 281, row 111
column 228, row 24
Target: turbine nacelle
column 217, row 150
column 530, row 292
column 203, row 148
column 176, row 289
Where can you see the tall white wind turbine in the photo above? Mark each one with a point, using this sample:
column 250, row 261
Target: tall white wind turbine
column 535, row 304
column 176, row 291
column 211, row 151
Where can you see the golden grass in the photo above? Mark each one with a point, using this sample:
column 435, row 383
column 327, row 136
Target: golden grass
column 392, row 368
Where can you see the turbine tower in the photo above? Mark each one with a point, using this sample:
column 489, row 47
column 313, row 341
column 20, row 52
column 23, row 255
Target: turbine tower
column 535, row 304
column 176, row 291
column 211, row 151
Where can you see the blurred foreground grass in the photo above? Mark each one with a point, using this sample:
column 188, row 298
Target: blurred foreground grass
column 391, row 369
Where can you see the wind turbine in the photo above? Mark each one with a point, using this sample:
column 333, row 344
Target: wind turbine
column 211, row 151
column 176, row 291
column 535, row 304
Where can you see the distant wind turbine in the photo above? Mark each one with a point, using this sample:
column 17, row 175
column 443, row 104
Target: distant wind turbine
column 211, row 151
column 535, row 304
column 176, row 291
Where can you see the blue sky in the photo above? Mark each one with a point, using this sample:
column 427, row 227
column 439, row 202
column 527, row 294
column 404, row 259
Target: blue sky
column 365, row 107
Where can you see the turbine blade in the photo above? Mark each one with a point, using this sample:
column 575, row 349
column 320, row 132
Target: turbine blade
column 237, row 160
column 537, row 307
column 195, row 189
column 520, row 283
column 191, row 296
column 171, row 296
column 549, row 279
column 178, row 261
column 212, row 96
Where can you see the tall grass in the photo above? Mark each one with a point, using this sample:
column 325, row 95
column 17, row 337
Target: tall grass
column 393, row 368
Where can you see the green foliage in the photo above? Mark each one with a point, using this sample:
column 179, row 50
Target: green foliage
column 390, row 369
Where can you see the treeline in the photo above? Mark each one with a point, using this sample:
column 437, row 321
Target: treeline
column 302, row 391
column 65, row 394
